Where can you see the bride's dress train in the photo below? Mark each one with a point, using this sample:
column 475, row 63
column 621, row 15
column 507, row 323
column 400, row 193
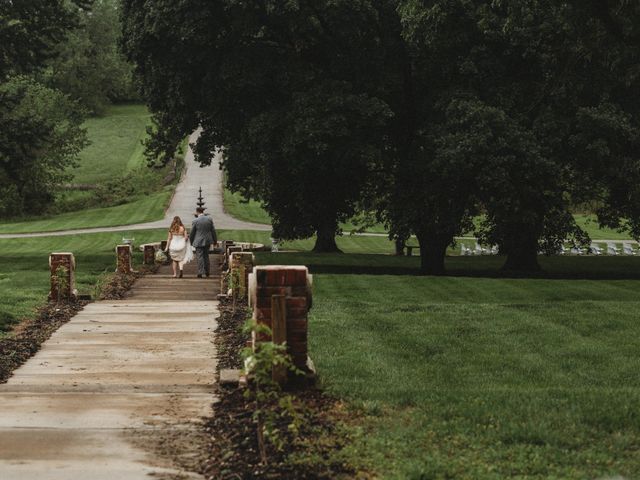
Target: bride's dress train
column 180, row 250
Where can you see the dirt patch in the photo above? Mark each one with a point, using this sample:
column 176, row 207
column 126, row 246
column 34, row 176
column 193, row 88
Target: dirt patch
column 230, row 337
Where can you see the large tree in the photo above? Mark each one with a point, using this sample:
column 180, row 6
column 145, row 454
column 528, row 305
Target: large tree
column 40, row 135
column 281, row 86
column 88, row 65
column 528, row 73
column 40, row 131
column 30, row 31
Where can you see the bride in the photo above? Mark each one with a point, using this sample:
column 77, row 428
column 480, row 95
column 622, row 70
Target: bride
column 178, row 246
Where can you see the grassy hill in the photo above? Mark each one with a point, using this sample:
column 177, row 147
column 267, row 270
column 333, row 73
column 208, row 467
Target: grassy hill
column 115, row 145
column 122, row 190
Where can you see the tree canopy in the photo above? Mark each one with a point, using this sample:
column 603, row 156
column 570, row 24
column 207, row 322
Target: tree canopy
column 280, row 86
column 40, row 132
column 428, row 113
column 88, row 64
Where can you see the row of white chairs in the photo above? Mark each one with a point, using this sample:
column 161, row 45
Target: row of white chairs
column 609, row 248
column 478, row 250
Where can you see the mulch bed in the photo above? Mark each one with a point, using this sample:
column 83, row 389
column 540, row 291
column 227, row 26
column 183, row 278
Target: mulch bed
column 230, row 338
column 233, row 451
column 27, row 337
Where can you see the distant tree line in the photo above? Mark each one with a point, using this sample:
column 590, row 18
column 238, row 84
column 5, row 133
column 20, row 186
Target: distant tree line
column 424, row 112
column 59, row 61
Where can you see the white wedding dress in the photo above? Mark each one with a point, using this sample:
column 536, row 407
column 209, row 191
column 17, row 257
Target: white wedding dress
column 180, row 250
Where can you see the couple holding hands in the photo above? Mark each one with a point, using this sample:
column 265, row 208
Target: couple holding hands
column 202, row 236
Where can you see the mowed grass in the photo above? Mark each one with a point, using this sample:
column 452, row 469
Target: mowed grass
column 478, row 377
column 24, row 277
column 115, row 144
column 143, row 209
column 249, row 211
column 468, row 376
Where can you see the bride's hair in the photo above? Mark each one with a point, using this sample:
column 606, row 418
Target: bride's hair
column 175, row 225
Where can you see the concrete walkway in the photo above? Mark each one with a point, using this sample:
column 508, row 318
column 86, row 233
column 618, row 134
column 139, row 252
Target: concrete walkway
column 183, row 203
column 111, row 388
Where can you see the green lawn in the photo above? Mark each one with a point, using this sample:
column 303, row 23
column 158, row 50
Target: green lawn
column 25, row 270
column 25, row 277
column 251, row 211
column 468, row 376
column 142, row 209
column 482, row 378
column 115, row 144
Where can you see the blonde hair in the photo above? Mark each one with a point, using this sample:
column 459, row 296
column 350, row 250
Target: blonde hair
column 175, row 225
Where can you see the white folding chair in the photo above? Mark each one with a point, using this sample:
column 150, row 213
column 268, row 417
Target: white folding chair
column 595, row 249
column 612, row 249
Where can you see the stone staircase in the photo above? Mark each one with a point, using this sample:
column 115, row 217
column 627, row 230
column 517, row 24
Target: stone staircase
column 102, row 394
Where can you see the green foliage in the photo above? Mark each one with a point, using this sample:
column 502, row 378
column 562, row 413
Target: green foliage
column 62, row 283
column 277, row 87
column 40, row 135
column 427, row 112
column 29, row 32
column 275, row 413
column 110, row 184
column 234, row 282
column 89, row 66
column 546, row 119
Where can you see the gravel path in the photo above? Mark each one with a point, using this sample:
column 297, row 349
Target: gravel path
column 182, row 204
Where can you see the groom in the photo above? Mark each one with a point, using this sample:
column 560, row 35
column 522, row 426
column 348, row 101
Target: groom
column 202, row 235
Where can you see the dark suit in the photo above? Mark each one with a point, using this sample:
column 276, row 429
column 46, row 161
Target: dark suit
column 203, row 234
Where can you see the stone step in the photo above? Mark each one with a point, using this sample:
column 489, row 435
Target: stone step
column 90, row 410
column 110, row 381
column 132, row 377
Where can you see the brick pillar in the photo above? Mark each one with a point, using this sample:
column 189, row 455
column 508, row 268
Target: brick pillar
column 242, row 261
column 124, row 254
column 232, row 249
column 62, row 266
column 294, row 282
column 149, row 254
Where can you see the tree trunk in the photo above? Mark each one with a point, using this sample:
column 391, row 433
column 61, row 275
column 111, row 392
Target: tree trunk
column 399, row 243
column 523, row 257
column 326, row 240
column 432, row 253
